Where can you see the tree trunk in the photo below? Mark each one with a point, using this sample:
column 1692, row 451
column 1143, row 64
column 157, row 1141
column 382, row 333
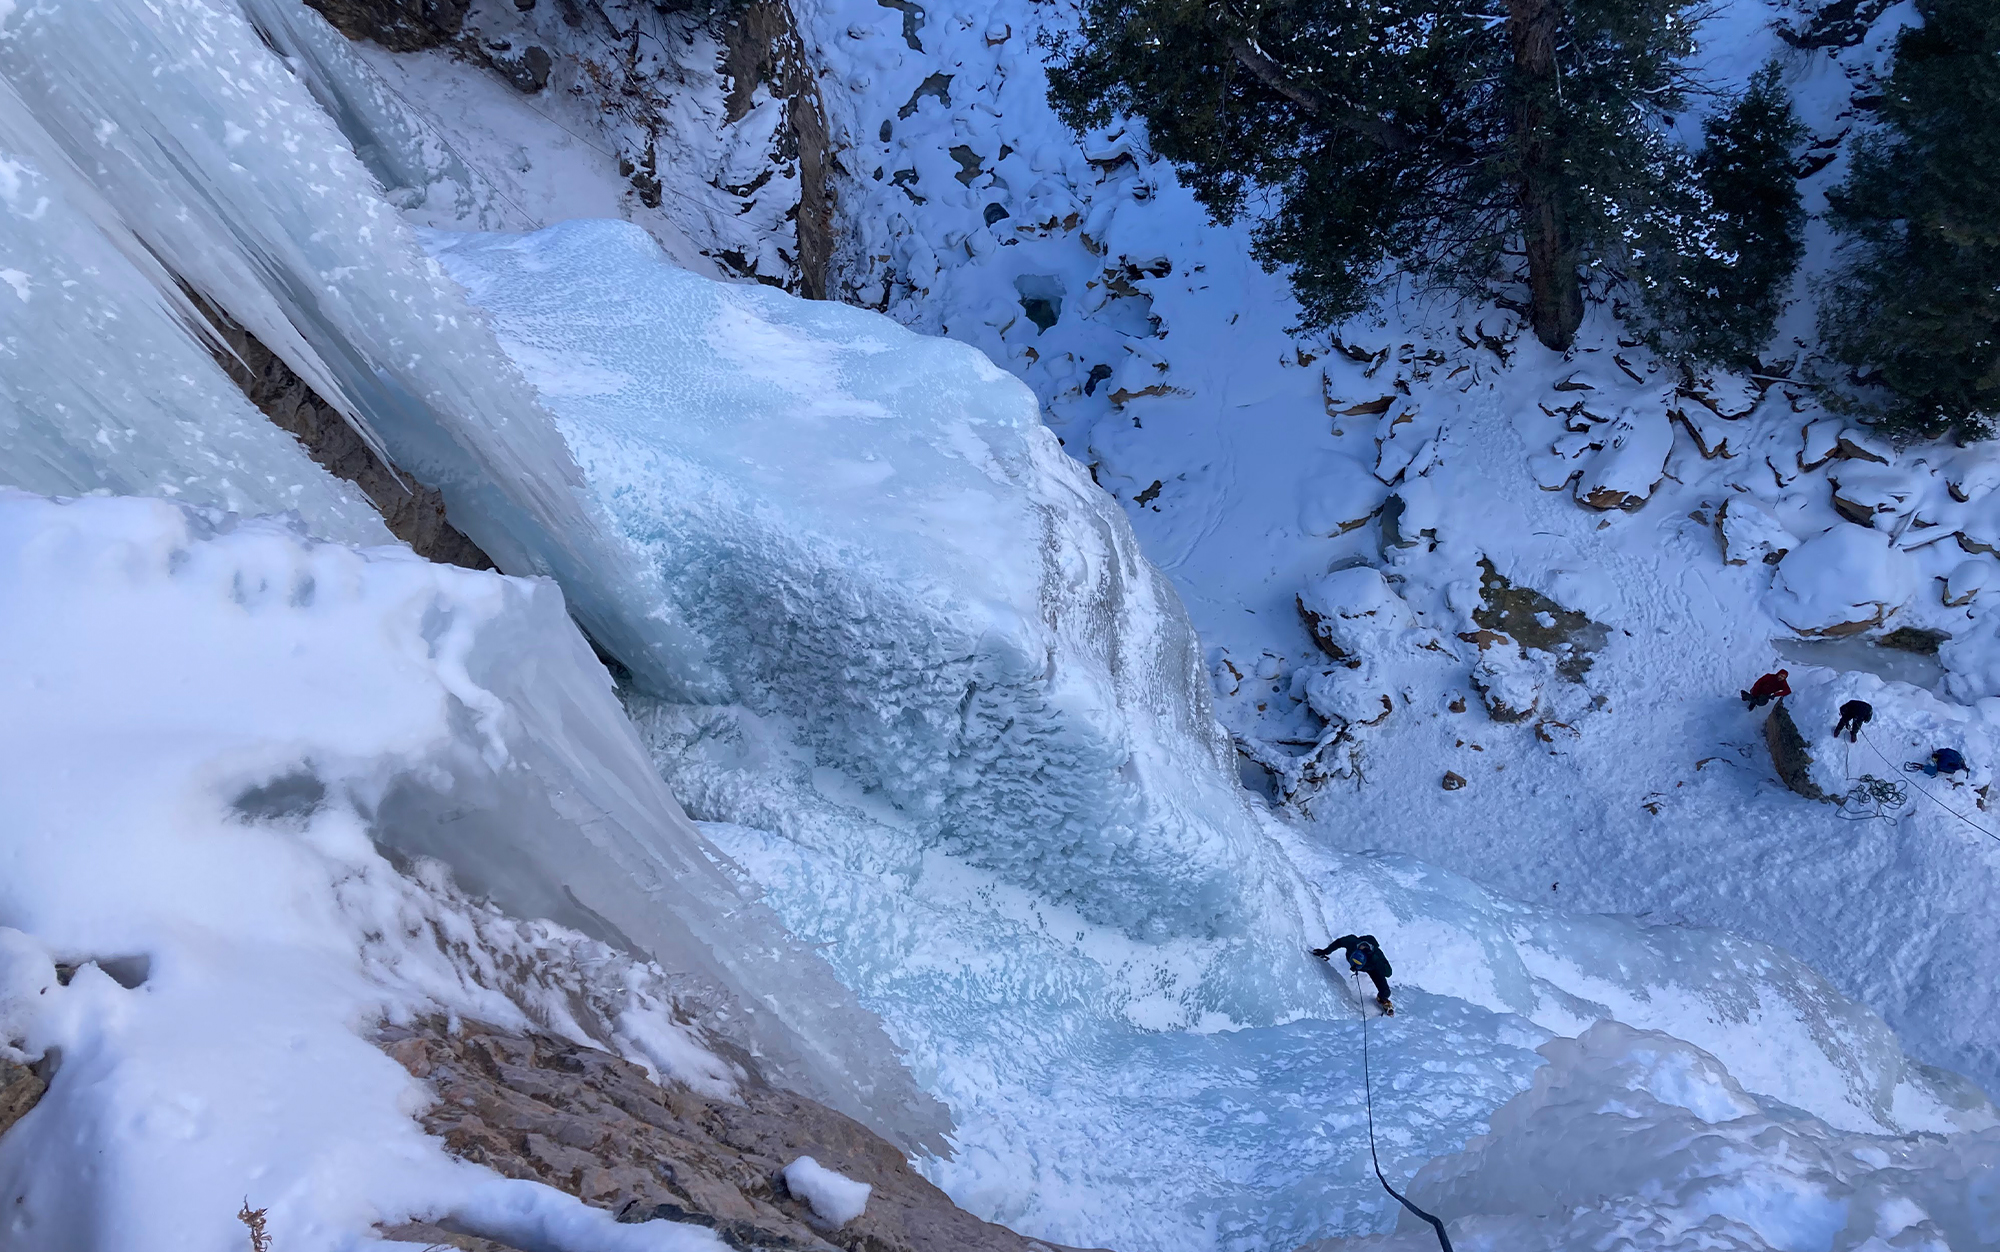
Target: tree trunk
column 1555, row 296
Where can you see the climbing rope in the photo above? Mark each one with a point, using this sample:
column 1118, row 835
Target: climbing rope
column 1871, row 797
column 1928, row 796
column 1368, row 1091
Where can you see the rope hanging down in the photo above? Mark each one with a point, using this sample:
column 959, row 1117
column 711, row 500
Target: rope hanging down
column 1368, row 1091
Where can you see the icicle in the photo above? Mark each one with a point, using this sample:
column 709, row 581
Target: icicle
column 222, row 163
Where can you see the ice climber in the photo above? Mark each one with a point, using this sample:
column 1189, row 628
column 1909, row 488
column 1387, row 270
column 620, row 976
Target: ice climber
column 1768, row 688
column 1364, row 956
column 1853, row 716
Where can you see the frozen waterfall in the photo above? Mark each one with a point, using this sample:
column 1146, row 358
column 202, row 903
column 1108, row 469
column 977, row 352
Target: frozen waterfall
column 942, row 723
column 875, row 526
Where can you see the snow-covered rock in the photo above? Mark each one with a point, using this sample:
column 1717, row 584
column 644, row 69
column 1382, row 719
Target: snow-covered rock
column 1354, row 613
column 1360, row 695
column 1342, row 496
column 1841, row 582
column 1751, row 533
column 1511, row 680
column 1630, row 463
column 1966, row 580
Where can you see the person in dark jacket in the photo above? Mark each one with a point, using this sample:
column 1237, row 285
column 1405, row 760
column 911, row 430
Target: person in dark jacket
column 1364, row 956
column 1768, row 688
column 1853, row 716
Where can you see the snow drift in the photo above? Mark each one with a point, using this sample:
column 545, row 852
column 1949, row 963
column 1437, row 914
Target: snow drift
column 218, row 730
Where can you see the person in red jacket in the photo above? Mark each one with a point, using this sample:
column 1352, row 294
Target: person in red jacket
column 1766, row 689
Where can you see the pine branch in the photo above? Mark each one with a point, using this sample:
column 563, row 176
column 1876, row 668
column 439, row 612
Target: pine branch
column 1321, row 107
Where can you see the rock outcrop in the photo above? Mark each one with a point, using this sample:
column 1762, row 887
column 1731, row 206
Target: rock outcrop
column 21, row 1089
column 764, row 49
column 413, row 511
column 1790, row 755
column 398, row 25
column 594, row 1125
column 750, row 185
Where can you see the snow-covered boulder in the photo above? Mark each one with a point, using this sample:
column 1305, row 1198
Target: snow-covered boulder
column 1966, row 580
column 1842, row 582
column 1358, row 696
column 1750, row 532
column 1403, row 438
column 1342, row 496
column 1728, row 396
column 1353, row 613
column 1864, row 490
column 873, row 525
column 1630, row 463
column 1908, row 725
column 1511, row 680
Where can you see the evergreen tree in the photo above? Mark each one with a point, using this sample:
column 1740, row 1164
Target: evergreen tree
column 1427, row 134
column 1713, row 296
column 1916, row 314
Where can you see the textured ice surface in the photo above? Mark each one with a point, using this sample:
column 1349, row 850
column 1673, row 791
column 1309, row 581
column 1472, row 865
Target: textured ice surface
column 1100, row 1097
column 214, row 154
column 1105, row 1091
column 103, row 388
column 1634, row 1140
column 874, row 525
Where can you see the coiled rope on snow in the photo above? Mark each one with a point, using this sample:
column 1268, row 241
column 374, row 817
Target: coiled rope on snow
column 1928, row 796
column 1368, row 1092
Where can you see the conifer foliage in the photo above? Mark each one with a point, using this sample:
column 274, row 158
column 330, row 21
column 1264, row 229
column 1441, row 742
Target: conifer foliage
column 1715, row 297
column 1916, row 314
column 1441, row 138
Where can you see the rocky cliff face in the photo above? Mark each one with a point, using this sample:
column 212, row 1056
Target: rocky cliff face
column 712, row 110
column 413, row 511
column 594, row 1125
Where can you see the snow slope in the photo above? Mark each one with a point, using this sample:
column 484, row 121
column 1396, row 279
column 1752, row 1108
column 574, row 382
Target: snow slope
column 198, row 923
